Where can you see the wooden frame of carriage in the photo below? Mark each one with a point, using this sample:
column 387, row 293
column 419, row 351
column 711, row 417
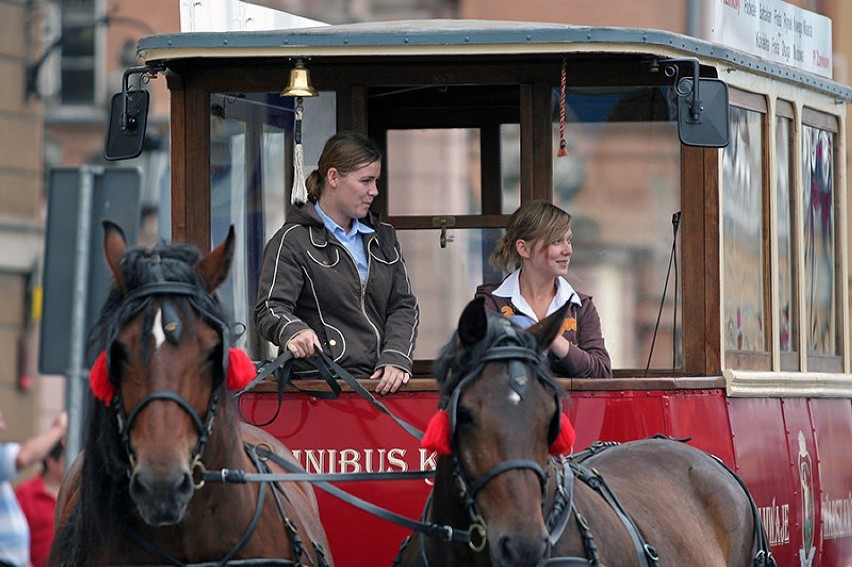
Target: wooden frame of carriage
column 758, row 369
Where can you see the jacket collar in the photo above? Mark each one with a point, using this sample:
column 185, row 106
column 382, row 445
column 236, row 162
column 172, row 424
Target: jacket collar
column 307, row 215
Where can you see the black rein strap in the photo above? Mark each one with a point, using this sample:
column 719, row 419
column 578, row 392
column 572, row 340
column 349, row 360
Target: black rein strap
column 329, row 371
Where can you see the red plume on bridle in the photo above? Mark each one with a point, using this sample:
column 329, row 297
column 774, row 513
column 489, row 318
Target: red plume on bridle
column 437, row 435
column 241, row 371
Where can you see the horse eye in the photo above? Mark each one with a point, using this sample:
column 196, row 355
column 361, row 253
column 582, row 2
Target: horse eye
column 464, row 416
column 117, row 356
column 214, row 356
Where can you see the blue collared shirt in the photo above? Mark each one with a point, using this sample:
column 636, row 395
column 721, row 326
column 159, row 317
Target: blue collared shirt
column 354, row 241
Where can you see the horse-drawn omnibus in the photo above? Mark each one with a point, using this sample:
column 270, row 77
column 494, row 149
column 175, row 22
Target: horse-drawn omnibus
column 717, row 249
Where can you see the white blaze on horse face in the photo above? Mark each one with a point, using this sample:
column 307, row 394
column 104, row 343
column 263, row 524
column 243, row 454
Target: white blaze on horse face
column 157, row 329
column 514, row 397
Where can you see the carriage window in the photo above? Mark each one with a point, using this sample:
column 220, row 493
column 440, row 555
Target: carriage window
column 621, row 183
column 251, row 171
column 786, row 305
column 744, row 301
column 462, row 266
column 818, row 211
column 463, row 185
column 447, row 183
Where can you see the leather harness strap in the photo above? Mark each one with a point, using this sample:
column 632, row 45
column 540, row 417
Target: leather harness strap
column 645, row 552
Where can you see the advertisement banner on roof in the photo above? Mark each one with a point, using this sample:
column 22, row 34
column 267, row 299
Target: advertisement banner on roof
column 236, row 15
column 773, row 30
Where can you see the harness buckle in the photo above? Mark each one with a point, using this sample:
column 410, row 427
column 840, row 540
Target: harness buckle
column 448, row 533
column 266, row 447
column 651, row 552
column 199, row 466
column 478, row 528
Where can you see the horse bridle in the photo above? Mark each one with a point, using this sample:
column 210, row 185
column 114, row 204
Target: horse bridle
column 172, row 327
column 517, row 357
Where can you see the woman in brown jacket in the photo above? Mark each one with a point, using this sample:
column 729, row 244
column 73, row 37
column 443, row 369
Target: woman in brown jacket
column 537, row 250
column 333, row 277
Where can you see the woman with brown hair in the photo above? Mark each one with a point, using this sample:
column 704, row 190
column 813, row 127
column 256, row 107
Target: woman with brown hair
column 333, row 277
column 536, row 252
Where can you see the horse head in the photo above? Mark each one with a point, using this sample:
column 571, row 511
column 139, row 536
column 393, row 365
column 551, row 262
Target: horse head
column 166, row 355
column 504, row 414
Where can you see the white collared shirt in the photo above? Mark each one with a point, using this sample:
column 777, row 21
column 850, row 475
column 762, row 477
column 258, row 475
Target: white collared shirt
column 511, row 288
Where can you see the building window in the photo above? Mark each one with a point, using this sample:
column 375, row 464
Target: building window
column 79, row 39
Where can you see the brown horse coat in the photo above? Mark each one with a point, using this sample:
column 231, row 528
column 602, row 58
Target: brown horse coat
column 137, row 500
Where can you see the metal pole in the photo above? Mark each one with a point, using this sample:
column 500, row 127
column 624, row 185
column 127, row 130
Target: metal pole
column 693, row 18
column 76, row 373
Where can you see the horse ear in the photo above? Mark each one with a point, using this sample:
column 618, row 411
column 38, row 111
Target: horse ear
column 214, row 267
column 115, row 245
column 547, row 329
column 473, row 323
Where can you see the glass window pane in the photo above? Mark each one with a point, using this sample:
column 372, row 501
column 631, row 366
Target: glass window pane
column 78, row 86
column 77, row 63
column 744, row 323
column 818, row 210
column 621, row 183
column 510, row 167
column 461, row 266
column 788, row 335
column 447, row 183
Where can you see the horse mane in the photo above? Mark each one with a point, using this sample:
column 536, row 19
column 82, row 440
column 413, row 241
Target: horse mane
column 455, row 361
column 101, row 512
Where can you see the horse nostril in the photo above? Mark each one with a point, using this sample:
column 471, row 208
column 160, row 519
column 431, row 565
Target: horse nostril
column 185, row 484
column 516, row 550
column 138, row 487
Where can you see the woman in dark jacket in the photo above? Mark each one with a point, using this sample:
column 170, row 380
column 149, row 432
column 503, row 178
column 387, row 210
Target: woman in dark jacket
column 537, row 250
column 333, row 277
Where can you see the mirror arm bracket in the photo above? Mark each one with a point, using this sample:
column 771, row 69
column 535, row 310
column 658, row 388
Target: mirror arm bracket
column 147, row 72
column 673, row 70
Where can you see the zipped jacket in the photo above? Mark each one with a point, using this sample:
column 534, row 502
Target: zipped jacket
column 587, row 357
column 310, row 280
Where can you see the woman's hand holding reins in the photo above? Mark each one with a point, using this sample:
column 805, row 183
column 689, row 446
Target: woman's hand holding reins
column 304, row 344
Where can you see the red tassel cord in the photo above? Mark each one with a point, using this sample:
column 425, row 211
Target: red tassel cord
column 241, row 370
column 564, row 442
column 99, row 382
column 437, row 435
column 563, row 148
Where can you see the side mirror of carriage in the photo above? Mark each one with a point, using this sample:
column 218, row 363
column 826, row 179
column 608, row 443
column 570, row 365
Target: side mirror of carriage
column 128, row 116
column 703, row 114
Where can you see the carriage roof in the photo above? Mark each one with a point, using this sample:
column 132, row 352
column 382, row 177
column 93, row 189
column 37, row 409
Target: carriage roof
column 444, row 37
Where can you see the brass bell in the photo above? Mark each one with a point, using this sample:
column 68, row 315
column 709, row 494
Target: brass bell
column 300, row 82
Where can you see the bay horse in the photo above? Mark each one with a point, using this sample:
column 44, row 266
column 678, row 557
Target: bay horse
column 134, row 495
column 648, row 502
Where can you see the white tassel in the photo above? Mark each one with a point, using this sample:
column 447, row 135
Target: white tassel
column 299, row 194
